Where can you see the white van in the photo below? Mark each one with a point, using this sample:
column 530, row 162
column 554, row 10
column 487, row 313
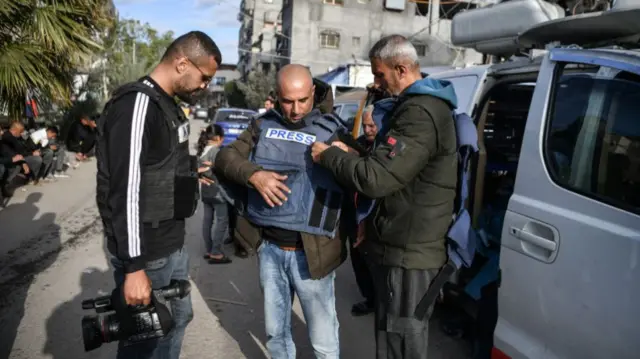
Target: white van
column 566, row 125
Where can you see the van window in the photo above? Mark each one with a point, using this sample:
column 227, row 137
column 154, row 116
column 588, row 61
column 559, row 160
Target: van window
column 592, row 142
column 465, row 87
column 348, row 111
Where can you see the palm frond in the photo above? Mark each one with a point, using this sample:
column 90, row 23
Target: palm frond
column 42, row 42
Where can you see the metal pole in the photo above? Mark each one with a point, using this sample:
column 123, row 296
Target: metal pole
column 434, row 16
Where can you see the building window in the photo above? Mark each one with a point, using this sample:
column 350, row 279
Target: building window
column 329, row 39
column 592, row 142
column 421, row 49
column 334, row 2
column 219, row 81
column 355, row 41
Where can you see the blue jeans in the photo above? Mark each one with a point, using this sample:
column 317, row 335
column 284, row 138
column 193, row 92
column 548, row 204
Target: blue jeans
column 161, row 272
column 216, row 220
column 282, row 273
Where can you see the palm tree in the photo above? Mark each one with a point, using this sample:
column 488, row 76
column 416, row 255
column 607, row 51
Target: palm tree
column 42, row 42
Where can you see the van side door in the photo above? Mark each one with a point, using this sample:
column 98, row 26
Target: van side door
column 570, row 255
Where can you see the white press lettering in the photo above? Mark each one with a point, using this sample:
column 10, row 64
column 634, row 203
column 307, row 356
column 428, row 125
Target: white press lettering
column 292, row 136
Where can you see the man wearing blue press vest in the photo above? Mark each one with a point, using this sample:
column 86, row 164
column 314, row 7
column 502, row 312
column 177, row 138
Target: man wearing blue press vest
column 290, row 211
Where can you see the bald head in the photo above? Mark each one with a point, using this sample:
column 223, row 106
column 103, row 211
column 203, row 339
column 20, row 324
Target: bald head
column 293, row 75
column 295, row 91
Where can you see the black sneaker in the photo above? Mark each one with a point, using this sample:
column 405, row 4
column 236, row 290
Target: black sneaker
column 362, row 308
column 241, row 253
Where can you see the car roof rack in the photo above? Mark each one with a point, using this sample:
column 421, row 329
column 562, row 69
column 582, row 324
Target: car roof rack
column 518, row 26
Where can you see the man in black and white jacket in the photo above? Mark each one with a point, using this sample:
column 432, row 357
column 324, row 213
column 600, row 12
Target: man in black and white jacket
column 146, row 186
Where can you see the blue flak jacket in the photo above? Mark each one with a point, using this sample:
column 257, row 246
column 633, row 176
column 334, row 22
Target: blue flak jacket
column 316, row 199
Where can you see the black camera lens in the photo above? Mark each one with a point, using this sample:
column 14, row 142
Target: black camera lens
column 99, row 329
column 91, row 332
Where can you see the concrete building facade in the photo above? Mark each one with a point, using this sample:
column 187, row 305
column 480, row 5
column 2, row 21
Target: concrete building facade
column 259, row 25
column 226, row 73
column 323, row 34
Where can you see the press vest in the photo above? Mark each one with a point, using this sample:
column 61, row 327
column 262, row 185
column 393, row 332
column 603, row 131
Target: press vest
column 169, row 188
column 315, row 201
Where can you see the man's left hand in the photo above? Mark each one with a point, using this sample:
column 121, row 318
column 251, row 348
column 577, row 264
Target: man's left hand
column 206, row 181
column 316, row 150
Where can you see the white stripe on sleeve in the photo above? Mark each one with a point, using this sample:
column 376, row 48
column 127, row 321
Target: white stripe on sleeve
column 133, row 184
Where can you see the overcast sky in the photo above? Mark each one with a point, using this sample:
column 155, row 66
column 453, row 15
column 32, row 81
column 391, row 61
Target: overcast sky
column 217, row 18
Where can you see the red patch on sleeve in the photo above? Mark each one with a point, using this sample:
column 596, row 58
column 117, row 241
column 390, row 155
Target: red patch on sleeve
column 392, row 141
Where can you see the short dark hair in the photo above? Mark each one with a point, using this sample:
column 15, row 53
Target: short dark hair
column 52, row 129
column 193, row 45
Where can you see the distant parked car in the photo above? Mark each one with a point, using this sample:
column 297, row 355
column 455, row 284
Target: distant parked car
column 233, row 121
column 201, row 113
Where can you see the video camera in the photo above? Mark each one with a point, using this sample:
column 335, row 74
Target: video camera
column 130, row 323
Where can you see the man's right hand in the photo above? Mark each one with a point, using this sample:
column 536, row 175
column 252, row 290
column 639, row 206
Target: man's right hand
column 26, row 169
column 17, row 158
column 137, row 288
column 270, row 186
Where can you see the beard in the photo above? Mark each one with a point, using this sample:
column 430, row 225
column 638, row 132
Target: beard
column 187, row 95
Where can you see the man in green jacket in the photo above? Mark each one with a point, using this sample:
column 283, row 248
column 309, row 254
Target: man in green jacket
column 412, row 175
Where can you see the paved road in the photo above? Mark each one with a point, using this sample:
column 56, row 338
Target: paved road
column 53, row 257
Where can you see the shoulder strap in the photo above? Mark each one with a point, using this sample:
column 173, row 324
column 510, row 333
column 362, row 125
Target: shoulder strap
column 329, row 122
column 136, row 87
column 263, row 119
column 174, row 116
column 127, row 89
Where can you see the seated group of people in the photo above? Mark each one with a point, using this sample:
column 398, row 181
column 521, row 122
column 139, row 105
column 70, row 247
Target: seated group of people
column 44, row 159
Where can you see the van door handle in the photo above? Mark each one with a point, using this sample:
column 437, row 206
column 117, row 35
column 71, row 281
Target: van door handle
column 534, row 239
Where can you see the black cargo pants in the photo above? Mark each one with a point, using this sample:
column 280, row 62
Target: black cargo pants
column 399, row 335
